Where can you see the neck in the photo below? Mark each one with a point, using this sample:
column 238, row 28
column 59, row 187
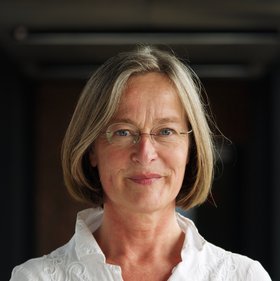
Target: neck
column 139, row 236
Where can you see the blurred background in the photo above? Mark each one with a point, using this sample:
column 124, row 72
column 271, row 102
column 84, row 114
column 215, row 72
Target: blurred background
column 48, row 49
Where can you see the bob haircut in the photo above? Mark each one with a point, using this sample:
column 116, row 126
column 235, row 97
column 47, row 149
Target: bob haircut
column 99, row 102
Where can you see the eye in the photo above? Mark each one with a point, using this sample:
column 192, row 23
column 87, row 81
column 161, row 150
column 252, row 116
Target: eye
column 165, row 132
column 122, row 133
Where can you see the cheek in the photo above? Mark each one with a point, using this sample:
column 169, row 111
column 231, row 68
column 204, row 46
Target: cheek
column 181, row 155
column 179, row 162
column 110, row 165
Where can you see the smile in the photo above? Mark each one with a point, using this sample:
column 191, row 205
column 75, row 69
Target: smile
column 145, row 179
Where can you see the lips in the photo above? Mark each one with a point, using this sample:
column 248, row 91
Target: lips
column 145, row 179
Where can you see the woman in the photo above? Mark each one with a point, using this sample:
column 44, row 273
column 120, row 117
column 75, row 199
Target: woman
column 138, row 146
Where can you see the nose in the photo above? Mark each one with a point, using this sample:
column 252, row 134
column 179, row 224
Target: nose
column 144, row 150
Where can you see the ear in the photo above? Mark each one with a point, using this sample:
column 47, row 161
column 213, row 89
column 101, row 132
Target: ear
column 92, row 158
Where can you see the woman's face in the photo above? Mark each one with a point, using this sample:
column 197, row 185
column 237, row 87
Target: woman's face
column 145, row 176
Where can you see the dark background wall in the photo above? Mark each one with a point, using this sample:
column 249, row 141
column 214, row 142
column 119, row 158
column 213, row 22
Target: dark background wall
column 49, row 49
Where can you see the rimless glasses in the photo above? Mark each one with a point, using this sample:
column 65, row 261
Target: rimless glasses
column 125, row 134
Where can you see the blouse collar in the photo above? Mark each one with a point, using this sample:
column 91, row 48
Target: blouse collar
column 89, row 220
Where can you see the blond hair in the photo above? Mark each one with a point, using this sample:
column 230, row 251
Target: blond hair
column 97, row 105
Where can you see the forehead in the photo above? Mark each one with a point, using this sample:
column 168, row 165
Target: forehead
column 150, row 96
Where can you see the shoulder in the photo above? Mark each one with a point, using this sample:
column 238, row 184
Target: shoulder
column 67, row 260
column 225, row 265
column 204, row 261
column 54, row 266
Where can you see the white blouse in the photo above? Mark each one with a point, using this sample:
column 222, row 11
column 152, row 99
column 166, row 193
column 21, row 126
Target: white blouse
column 81, row 259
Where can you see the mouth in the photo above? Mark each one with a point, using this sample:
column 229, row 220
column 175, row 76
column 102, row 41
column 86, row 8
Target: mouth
column 145, row 179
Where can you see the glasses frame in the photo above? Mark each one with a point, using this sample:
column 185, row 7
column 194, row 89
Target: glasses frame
column 137, row 136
